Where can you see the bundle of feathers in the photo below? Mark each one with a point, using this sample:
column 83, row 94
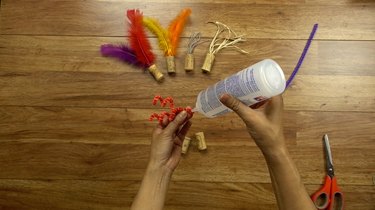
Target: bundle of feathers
column 139, row 52
column 168, row 38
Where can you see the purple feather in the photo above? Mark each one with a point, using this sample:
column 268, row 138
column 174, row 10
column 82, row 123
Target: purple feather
column 121, row 52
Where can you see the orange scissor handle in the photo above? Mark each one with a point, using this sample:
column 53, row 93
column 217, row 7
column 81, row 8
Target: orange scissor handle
column 321, row 198
column 336, row 197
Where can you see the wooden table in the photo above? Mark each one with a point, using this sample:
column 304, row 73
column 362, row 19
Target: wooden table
column 74, row 132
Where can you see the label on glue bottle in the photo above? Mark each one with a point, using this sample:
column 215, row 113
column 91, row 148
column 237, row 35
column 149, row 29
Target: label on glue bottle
column 251, row 85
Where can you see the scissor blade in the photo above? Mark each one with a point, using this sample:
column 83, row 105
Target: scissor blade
column 329, row 161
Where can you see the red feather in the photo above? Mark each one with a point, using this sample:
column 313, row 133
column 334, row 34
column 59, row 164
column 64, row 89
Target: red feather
column 138, row 40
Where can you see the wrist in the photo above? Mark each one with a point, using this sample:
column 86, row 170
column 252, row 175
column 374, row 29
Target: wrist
column 154, row 186
column 272, row 144
column 275, row 154
column 157, row 171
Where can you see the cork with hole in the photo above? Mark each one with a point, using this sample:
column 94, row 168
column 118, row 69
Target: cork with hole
column 208, row 62
column 153, row 69
column 185, row 145
column 201, row 141
column 171, row 66
column 189, row 62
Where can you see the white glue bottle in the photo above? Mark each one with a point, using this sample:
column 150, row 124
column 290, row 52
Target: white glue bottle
column 251, row 85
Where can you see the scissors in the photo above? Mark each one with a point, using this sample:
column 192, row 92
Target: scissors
column 328, row 197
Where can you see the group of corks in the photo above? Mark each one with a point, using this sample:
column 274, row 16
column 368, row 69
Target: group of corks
column 173, row 112
column 199, row 138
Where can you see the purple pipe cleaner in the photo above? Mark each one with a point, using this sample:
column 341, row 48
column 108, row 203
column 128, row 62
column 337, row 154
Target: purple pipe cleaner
column 296, row 69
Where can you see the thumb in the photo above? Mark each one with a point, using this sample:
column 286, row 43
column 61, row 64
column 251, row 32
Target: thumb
column 176, row 123
column 243, row 111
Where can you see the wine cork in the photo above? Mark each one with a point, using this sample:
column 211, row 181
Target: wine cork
column 208, row 62
column 153, row 69
column 201, row 141
column 171, row 66
column 185, row 145
column 189, row 62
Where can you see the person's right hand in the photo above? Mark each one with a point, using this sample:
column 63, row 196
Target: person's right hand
column 263, row 123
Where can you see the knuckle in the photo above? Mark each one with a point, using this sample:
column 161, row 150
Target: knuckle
column 174, row 123
column 235, row 105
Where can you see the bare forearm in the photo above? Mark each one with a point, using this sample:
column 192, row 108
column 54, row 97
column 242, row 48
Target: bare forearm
column 153, row 190
column 289, row 190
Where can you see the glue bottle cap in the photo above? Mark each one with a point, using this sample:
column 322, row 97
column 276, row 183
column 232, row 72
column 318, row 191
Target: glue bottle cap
column 274, row 76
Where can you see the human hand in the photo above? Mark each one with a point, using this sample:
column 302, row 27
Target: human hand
column 264, row 122
column 167, row 141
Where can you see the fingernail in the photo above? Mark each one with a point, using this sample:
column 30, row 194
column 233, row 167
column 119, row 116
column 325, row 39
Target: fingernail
column 223, row 96
column 183, row 114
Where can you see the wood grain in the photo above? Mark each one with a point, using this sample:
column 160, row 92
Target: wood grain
column 64, row 53
column 62, row 194
column 82, row 194
column 87, row 89
column 344, row 129
column 73, row 124
column 106, row 18
column 113, row 125
column 218, row 164
column 128, row 126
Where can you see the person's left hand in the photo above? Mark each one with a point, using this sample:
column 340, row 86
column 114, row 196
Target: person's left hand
column 167, row 141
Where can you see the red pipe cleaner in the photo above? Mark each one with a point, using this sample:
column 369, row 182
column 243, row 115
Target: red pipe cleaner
column 174, row 111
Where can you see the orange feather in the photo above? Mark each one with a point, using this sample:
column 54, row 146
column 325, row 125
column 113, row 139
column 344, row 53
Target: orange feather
column 176, row 27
